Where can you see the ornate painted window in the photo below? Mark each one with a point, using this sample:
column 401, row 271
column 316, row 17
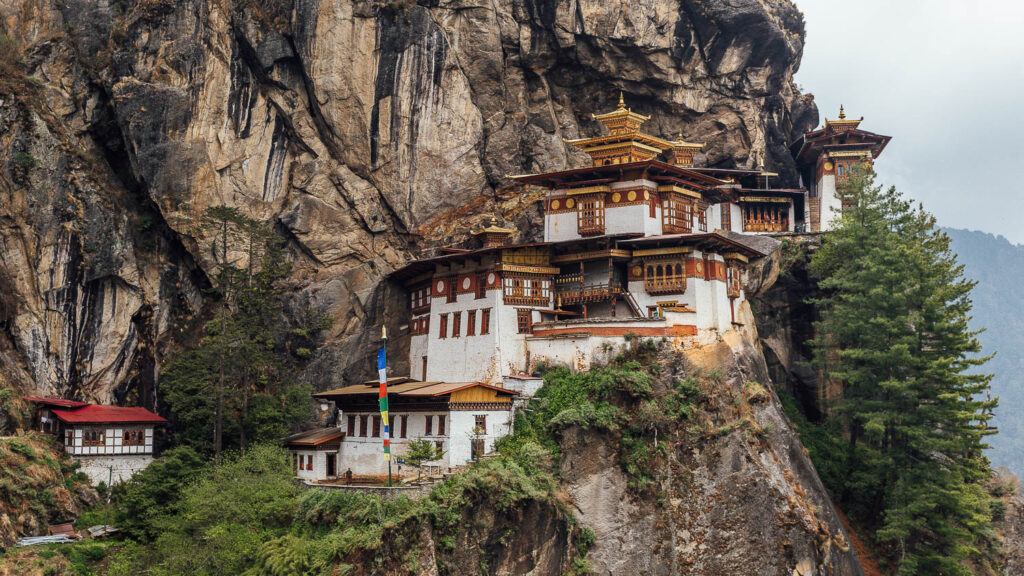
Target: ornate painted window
column 93, row 437
column 526, row 290
column 133, row 437
column 732, row 279
column 702, row 216
column 726, row 216
column 590, row 215
column 676, row 214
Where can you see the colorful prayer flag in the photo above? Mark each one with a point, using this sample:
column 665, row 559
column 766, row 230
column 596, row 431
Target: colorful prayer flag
column 382, row 373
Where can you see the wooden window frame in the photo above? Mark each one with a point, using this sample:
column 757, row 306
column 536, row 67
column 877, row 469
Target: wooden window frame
column 404, row 426
column 481, row 286
column 94, row 437
column 726, row 216
column 442, row 325
column 676, row 214
column 590, row 215
column 702, row 216
column 376, row 426
column 485, row 321
column 351, row 429
column 440, row 424
column 363, row 426
column 480, row 423
column 133, row 437
column 456, row 324
column 665, row 276
column 429, row 426
column 453, row 289
column 471, row 323
column 524, row 321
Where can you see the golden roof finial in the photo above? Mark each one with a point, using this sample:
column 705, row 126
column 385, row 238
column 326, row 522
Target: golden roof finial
column 842, row 113
column 622, row 101
column 494, row 221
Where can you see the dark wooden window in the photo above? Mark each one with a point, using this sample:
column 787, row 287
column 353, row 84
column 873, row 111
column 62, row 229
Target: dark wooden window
column 443, row 326
column 702, row 216
column 726, row 216
column 93, row 437
column 481, row 424
column 453, row 288
column 481, row 286
column 376, row 426
column 405, row 426
column 430, row 426
column 423, row 376
column 351, row 425
column 439, row 444
column 440, row 425
column 471, row 323
column 456, row 324
column 309, row 462
column 133, row 438
column 765, row 217
column 485, row 321
column 525, row 320
column 362, row 426
column 590, row 216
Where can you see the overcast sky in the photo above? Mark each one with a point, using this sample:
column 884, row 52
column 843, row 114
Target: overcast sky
column 945, row 79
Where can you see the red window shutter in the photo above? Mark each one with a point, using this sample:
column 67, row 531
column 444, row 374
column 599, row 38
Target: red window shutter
column 440, row 425
column 430, row 426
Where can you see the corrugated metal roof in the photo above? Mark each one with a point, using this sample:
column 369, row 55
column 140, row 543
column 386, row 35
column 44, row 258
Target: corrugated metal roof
column 55, row 401
column 411, row 389
column 314, row 437
column 93, row 414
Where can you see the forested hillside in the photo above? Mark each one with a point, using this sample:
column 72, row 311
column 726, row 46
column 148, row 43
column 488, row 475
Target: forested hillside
column 998, row 267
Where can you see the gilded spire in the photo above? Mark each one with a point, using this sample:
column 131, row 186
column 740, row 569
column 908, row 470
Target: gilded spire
column 622, row 101
column 842, row 113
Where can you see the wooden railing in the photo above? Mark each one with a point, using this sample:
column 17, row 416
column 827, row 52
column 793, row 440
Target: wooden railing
column 576, row 294
column 662, row 285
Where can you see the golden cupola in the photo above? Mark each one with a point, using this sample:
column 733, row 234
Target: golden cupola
column 624, row 142
column 682, row 152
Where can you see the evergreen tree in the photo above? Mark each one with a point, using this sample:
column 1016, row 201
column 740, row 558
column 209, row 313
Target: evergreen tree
column 893, row 330
column 240, row 375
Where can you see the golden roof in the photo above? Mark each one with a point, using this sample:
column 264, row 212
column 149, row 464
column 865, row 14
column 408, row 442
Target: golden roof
column 494, row 228
column 842, row 122
column 681, row 144
column 621, row 118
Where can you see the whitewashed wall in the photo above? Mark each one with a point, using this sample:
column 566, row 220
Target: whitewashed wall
column 829, row 201
column 499, row 423
column 319, row 471
column 120, row 468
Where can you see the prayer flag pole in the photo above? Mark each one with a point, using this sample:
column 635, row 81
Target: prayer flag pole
column 382, row 372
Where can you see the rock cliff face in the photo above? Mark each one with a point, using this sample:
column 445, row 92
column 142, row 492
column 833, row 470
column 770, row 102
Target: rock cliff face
column 361, row 130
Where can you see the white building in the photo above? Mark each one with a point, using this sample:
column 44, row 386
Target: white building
column 314, row 454
column 110, row 442
column 827, row 157
column 463, row 420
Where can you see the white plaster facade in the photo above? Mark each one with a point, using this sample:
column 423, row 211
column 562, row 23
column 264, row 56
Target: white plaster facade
column 112, row 456
column 310, row 464
column 363, row 455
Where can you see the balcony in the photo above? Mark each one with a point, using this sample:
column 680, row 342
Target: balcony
column 575, row 294
column 663, row 285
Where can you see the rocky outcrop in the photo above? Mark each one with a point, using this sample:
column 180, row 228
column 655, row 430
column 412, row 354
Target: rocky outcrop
column 738, row 495
column 361, row 130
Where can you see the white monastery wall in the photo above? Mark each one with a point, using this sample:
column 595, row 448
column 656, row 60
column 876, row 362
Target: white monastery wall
column 829, row 201
column 418, row 348
column 463, row 358
column 499, row 424
column 319, row 471
column 622, row 219
column 560, row 226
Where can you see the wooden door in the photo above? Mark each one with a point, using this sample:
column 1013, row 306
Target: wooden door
column 476, row 448
column 332, row 465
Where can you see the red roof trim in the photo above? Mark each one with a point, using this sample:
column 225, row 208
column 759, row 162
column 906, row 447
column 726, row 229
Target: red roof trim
column 94, row 414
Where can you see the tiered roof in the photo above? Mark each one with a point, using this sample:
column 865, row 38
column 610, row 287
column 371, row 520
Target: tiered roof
column 838, row 136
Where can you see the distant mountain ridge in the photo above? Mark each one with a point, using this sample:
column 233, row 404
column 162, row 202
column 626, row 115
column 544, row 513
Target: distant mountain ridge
column 998, row 267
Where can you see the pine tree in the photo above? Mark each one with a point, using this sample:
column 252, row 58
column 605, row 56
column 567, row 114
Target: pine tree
column 893, row 331
column 244, row 363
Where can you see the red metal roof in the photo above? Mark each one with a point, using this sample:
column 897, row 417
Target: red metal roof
column 93, row 414
column 55, row 401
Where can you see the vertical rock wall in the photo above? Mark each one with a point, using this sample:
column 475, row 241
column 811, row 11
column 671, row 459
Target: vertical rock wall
column 362, row 131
